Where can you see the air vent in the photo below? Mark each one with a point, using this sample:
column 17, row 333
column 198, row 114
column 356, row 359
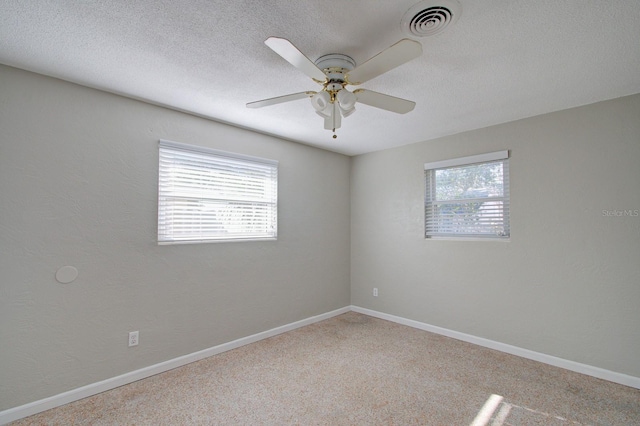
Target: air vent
column 430, row 17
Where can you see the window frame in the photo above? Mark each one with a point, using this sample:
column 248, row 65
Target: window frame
column 170, row 152
column 429, row 196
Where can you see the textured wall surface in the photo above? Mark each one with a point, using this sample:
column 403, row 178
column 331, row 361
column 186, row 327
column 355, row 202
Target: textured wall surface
column 566, row 284
column 78, row 184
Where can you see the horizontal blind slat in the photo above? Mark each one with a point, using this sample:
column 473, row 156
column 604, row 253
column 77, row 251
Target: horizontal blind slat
column 468, row 200
column 207, row 196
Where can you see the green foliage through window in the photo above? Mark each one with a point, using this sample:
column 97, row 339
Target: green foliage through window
column 469, row 200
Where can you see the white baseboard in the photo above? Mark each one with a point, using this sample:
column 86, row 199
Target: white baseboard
column 35, row 407
column 589, row 370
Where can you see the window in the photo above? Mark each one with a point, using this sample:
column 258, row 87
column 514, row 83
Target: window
column 468, row 197
column 205, row 195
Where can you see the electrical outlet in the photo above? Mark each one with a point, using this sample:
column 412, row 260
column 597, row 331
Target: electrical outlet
column 133, row 338
column 375, row 292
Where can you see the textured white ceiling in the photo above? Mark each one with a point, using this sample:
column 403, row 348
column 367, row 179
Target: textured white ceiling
column 502, row 60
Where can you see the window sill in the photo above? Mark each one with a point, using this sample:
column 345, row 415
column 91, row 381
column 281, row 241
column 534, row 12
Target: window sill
column 231, row 240
column 499, row 240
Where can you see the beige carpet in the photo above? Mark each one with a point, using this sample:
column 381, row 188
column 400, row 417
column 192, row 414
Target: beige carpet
column 357, row 370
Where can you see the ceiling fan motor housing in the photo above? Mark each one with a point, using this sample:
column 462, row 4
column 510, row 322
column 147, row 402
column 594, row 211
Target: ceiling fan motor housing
column 335, row 66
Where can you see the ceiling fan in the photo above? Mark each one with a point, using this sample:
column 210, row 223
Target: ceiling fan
column 336, row 71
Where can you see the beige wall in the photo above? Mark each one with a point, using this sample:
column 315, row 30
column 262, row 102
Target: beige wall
column 78, row 184
column 568, row 282
column 78, row 171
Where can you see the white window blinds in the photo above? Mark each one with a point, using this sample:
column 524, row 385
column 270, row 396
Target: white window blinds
column 207, row 195
column 468, row 197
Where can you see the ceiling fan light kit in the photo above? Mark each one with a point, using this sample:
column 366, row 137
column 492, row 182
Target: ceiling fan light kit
column 321, row 101
column 335, row 71
column 346, row 99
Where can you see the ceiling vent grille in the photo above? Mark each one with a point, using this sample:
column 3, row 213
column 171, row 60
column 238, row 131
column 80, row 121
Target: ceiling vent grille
column 428, row 18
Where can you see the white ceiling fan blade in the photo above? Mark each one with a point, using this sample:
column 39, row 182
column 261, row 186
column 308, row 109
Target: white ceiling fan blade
column 396, row 55
column 280, row 99
column 291, row 54
column 382, row 101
